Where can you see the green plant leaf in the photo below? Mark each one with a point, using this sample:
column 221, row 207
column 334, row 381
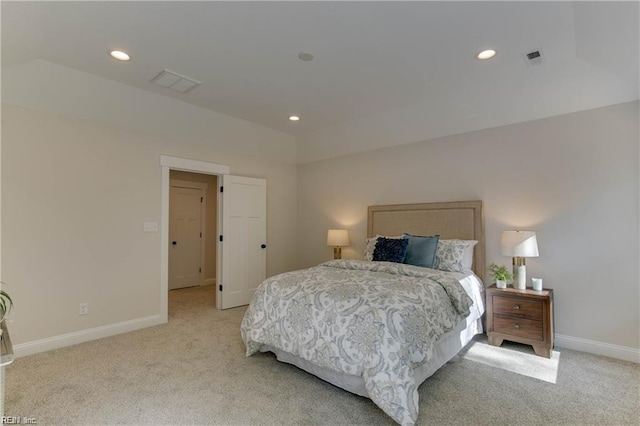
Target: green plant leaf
column 5, row 304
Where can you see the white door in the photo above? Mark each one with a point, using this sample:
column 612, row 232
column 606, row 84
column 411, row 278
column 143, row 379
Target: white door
column 244, row 237
column 185, row 237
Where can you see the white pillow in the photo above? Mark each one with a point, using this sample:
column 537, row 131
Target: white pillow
column 371, row 245
column 454, row 255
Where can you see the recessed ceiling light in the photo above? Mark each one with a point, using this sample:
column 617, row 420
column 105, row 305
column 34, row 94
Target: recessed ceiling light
column 486, row 54
column 294, row 118
column 119, row 55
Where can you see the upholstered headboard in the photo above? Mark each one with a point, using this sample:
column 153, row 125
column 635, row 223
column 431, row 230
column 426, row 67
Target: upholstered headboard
column 451, row 220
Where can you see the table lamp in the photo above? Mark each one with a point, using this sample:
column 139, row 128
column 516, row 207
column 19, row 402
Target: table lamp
column 338, row 238
column 519, row 245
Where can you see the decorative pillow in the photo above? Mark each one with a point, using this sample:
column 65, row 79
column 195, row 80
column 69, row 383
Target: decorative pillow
column 371, row 245
column 421, row 251
column 467, row 257
column 454, row 255
column 390, row 250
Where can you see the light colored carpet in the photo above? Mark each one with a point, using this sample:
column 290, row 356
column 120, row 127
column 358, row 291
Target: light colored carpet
column 193, row 370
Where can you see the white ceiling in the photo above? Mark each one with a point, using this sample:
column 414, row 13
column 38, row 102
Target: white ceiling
column 371, row 58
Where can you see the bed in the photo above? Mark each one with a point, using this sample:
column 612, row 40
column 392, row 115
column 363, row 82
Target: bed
column 376, row 328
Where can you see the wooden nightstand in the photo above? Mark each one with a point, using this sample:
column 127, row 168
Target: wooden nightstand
column 524, row 316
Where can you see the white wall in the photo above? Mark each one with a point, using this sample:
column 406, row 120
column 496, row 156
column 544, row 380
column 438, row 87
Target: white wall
column 76, row 192
column 571, row 178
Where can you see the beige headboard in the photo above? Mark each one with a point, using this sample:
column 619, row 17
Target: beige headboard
column 452, row 220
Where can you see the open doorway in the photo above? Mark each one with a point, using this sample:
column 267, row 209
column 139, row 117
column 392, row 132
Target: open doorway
column 241, row 228
column 169, row 164
column 192, row 230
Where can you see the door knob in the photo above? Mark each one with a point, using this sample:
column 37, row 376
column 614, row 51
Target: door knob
column 263, row 246
column 174, row 243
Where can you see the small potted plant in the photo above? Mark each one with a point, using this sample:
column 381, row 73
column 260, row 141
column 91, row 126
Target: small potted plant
column 6, row 349
column 500, row 274
column 5, row 304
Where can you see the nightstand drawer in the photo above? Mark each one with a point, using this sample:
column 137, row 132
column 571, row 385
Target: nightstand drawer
column 517, row 307
column 518, row 327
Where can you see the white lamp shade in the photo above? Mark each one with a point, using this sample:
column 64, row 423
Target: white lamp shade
column 519, row 244
column 338, row 237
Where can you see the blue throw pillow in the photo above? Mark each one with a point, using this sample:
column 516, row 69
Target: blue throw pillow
column 390, row 249
column 421, row 251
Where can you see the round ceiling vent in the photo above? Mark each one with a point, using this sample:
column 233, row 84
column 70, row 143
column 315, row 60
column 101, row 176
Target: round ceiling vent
column 304, row 56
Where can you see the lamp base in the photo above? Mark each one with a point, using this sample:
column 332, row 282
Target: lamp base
column 519, row 273
column 337, row 252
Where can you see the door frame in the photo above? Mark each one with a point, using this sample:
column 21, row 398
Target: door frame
column 177, row 183
column 167, row 164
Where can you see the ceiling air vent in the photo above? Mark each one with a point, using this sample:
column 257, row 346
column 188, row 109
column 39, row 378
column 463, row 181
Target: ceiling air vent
column 534, row 57
column 175, row 81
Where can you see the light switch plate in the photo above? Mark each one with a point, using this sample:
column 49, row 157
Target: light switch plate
column 151, row 227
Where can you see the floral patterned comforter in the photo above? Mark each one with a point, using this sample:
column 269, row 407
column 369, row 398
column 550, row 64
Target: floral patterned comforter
column 376, row 320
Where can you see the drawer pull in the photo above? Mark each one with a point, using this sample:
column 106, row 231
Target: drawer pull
column 516, row 326
column 516, row 307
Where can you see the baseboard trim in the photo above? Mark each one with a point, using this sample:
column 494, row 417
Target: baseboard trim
column 209, row 281
column 598, row 348
column 57, row 342
column 61, row 341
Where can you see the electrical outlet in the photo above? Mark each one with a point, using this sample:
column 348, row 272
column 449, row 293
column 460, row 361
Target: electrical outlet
column 84, row 309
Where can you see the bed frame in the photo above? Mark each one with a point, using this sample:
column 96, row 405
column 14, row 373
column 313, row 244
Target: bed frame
column 451, row 220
